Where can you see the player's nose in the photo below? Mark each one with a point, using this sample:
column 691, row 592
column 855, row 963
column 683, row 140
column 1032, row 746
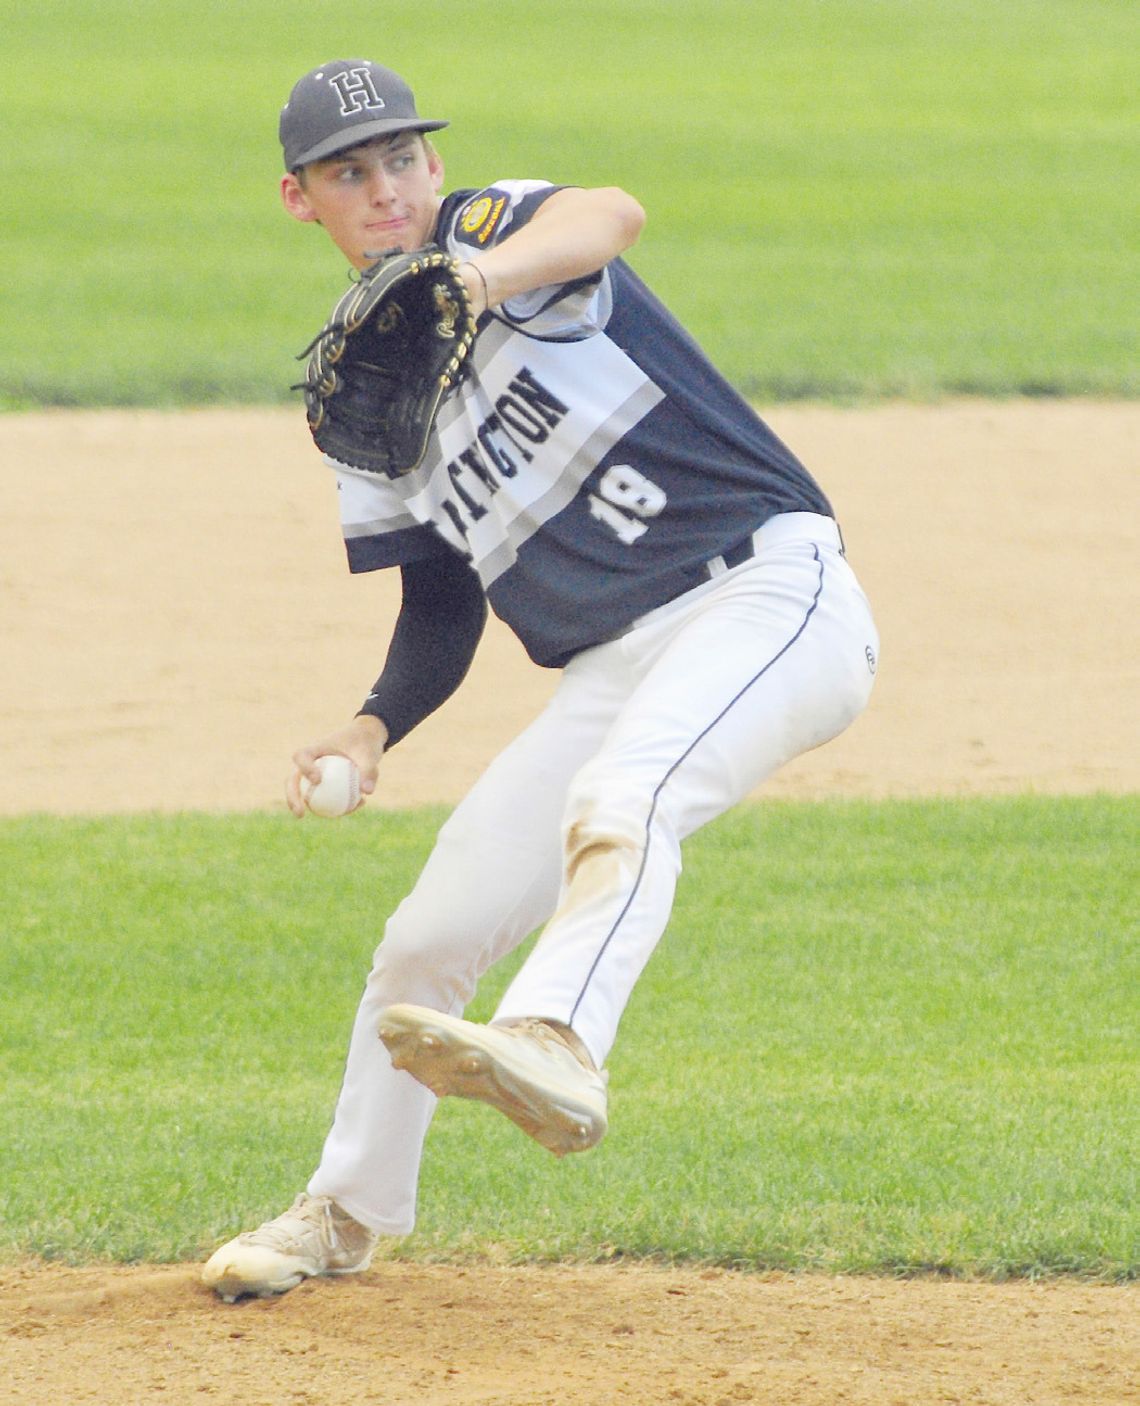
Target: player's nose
column 380, row 186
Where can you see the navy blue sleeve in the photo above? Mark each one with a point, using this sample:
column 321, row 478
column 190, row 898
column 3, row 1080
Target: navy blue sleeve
column 474, row 221
column 441, row 620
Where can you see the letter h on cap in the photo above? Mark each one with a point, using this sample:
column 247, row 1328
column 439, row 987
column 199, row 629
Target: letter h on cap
column 356, row 91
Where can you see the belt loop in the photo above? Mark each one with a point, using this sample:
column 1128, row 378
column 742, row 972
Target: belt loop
column 780, row 528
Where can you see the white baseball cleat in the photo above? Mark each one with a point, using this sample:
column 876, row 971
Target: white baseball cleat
column 314, row 1236
column 542, row 1079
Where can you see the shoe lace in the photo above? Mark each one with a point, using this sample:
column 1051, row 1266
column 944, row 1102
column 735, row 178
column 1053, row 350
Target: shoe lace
column 549, row 1036
column 315, row 1213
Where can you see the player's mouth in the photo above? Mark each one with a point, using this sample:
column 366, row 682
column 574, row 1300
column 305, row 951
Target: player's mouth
column 394, row 226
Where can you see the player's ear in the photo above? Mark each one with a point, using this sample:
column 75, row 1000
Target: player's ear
column 435, row 165
column 295, row 199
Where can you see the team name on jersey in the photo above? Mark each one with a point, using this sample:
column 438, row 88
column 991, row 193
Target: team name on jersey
column 525, row 415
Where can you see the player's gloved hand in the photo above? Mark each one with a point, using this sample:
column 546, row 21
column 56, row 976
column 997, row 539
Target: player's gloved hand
column 362, row 741
column 393, row 348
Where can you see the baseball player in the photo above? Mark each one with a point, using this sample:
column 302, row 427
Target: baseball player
column 596, row 483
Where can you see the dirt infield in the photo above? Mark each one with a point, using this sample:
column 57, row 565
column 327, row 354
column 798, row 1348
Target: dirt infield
column 574, row 1336
column 176, row 618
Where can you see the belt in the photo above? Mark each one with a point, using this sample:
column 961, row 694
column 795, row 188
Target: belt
column 784, row 527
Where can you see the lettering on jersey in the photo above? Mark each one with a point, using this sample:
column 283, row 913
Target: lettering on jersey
column 482, row 218
column 530, row 408
column 356, row 91
column 525, row 414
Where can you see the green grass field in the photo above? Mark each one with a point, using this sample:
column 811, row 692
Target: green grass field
column 876, row 1037
column 847, row 198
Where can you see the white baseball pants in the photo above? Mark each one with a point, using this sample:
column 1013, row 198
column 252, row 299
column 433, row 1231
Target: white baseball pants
column 578, row 824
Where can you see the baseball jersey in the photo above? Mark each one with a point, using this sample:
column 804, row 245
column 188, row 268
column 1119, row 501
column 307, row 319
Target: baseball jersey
column 590, row 462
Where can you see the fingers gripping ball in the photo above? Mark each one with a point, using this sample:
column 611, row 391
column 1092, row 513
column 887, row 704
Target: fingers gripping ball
column 394, row 347
column 338, row 790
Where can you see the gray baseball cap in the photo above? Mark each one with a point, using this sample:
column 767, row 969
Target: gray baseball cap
column 342, row 103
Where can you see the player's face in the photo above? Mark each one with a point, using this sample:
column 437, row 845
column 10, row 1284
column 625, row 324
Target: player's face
column 375, row 197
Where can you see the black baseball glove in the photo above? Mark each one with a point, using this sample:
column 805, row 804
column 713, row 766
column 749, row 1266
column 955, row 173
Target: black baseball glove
column 392, row 349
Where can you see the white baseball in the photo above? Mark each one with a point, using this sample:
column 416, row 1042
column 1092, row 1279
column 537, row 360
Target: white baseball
column 338, row 790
